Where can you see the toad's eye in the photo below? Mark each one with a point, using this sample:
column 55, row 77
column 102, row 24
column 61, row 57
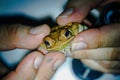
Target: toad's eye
column 47, row 43
column 67, row 34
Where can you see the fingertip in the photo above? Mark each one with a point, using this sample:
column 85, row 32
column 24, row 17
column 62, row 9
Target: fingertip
column 41, row 29
column 49, row 65
column 92, row 41
column 47, row 28
column 63, row 18
column 58, row 55
column 29, row 61
column 76, row 16
column 30, row 37
column 26, row 70
column 38, row 60
column 62, row 21
column 57, row 59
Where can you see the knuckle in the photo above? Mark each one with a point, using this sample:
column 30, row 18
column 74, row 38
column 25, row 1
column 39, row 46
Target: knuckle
column 115, row 54
column 105, row 64
column 45, row 77
column 110, row 64
column 85, row 55
column 100, row 41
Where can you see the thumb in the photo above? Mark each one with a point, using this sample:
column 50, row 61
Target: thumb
column 22, row 36
column 35, row 66
column 50, row 64
column 27, row 69
column 76, row 11
column 106, row 36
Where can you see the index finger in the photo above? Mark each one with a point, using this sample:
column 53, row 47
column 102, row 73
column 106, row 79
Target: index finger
column 98, row 54
column 106, row 36
column 76, row 11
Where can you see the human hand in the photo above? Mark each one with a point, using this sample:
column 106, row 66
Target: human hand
column 76, row 11
column 97, row 48
column 22, row 36
column 35, row 66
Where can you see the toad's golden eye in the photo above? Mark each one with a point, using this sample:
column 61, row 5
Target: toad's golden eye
column 67, row 33
column 47, row 43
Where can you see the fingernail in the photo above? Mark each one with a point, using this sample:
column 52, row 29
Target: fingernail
column 79, row 46
column 37, row 30
column 67, row 12
column 57, row 64
column 38, row 61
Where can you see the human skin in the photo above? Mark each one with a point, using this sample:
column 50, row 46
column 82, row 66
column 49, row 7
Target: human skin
column 35, row 66
column 97, row 48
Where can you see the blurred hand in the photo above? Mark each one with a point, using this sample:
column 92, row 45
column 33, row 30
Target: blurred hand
column 76, row 11
column 34, row 66
column 97, row 48
column 22, row 36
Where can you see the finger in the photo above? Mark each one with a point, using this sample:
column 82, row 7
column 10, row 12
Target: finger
column 97, row 54
column 22, row 36
column 110, row 64
column 93, row 65
column 27, row 69
column 96, row 66
column 48, row 67
column 76, row 11
column 106, row 36
column 87, row 22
